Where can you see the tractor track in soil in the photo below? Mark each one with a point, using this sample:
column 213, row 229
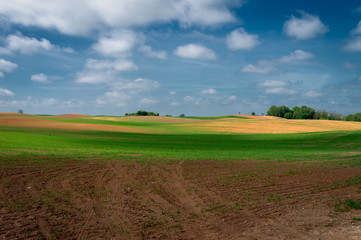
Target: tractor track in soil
column 206, row 199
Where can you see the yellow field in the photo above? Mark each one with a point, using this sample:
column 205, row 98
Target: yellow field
column 164, row 125
column 267, row 124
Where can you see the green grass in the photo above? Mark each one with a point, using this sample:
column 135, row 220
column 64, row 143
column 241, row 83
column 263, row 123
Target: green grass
column 271, row 147
column 347, row 205
column 216, row 117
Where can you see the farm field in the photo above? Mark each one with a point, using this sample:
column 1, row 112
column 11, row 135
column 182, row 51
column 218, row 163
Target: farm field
column 228, row 177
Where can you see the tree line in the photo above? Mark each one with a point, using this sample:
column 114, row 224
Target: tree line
column 142, row 113
column 305, row 112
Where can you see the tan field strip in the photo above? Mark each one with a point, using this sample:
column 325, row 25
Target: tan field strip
column 159, row 119
column 274, row 125
column 41, row 123
column 253, row 124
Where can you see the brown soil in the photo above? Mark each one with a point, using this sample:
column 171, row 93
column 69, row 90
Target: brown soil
column 67, row 199
column 42, row 123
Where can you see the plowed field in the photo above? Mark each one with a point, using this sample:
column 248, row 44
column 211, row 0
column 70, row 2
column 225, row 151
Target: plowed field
column 105, row 184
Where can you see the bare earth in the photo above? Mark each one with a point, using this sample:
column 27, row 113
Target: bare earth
column 66, row 199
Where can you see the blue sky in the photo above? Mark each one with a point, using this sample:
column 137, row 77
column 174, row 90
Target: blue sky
column 206, row 57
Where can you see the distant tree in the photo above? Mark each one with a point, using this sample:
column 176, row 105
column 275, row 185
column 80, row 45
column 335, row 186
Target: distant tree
column 142, row 113
column 182, row 115
column 349, row 117
column 334, row 116
column 278, row 111
column 321, row 114
column 20, row 111
column 283, row 110
column 273, row 111
column 303, row 112
column 253, row 114
column 356, row 117
column 168, row 115
column 289, row 115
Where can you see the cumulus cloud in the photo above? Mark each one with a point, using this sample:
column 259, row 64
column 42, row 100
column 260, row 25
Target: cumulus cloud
column 280, row 90
column 135, row 86
column 239, row 39
column 103, row 71
column 250, row 68
column 265, row 66
column 6, row 66
column 119, row 65
column 194, row 100
column 277, row 87
column 195, row 51
column 41, row 78
column 354, row 43
column 6, row 92
column 357, row 30
column 116, row 98
column 117, row 43
column 85, row 16
column 273, row 84
column 172, row 93
column 27, row 45
column 312, row 94
column 305, row 27
column 296, row 57
column 151, row 53
column 209, row 91
column 229, row 99
column 148, row 101
column 124, row 91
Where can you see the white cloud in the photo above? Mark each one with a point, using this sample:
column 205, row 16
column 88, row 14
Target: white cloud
column 239, row 39
column 135, row 86
column 296, row 57
column 273, row 84
column 172, row 93
column 194, row 100
column 48, row 102
column 265, row 66
column 209, row 91
column 229, row 99
column 174, row 104
column 27, row 45
column 116, row 98
column 6, row 66
column 84, row 16
column 151, row 53
column 41, row 78
column 257, row 69
column 312, row 94
column 148, row 101
column 103, row 71
column 119, row 65
column 94, row 77
column 6, row 92
column 305, row 27
column 195, row 51
column 357, row 30
column 354, row 44
column 117, row 43
column 280, row 90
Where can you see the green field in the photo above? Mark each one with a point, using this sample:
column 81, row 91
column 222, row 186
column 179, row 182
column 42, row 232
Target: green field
column 180, row 143
column 84, row 177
